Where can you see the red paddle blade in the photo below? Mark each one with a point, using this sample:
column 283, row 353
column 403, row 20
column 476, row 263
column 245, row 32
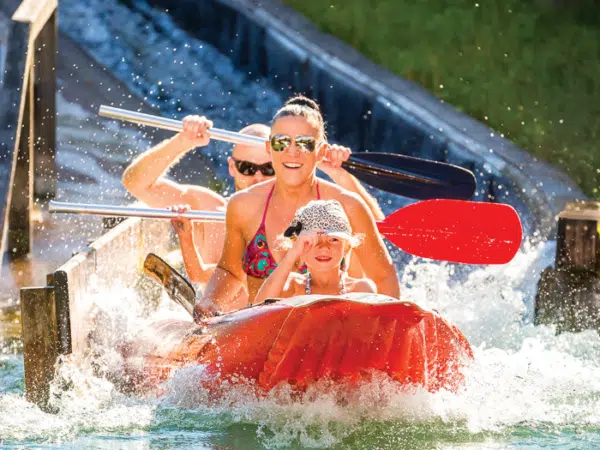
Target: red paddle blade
column 456, row 231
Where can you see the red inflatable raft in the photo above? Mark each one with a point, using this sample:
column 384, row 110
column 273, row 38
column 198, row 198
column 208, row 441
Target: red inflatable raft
column 304, row 339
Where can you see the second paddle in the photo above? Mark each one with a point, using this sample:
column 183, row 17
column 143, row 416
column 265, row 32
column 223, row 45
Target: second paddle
column 403, row 175
column 446, row 230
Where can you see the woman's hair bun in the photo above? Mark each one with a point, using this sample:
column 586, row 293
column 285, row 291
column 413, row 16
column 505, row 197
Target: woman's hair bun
column 300, row 100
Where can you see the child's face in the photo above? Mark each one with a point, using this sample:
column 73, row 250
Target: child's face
column 327, row 254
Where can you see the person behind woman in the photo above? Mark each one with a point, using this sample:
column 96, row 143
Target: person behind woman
column 322, row 238
column 256, row 216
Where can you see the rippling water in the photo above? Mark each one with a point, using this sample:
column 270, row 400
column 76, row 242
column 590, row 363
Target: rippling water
column 527, row 387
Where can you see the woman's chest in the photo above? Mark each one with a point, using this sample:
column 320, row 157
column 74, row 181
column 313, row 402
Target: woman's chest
column 267, row 235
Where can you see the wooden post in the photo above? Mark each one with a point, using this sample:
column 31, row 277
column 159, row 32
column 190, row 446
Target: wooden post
column 40, row 17
column 44, row 109
column 21, row 203
column 577, row 243
column 40, row 343
column 60, row 281
column 569, row 294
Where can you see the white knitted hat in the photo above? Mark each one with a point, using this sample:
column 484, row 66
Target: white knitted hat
column 326, row 215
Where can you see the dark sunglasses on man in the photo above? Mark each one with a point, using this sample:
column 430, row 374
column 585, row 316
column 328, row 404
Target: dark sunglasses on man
column 249, row 169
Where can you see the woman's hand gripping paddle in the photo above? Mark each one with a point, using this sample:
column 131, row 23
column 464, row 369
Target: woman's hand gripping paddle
column 398, row 174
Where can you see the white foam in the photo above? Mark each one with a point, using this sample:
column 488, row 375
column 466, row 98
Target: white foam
column 521, row 374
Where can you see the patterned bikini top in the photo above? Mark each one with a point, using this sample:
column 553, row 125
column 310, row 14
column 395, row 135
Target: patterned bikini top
column 258, row 261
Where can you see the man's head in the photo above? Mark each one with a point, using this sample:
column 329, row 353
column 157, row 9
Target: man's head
column 246, row 159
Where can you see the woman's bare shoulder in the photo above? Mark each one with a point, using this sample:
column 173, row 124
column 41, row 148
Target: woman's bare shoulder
column 248, row 199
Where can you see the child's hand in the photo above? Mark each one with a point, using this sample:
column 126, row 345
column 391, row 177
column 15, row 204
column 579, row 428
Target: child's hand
column 304, row 243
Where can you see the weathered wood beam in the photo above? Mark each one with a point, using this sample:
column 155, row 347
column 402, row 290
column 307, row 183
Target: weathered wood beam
column 577, row 243
column 44, row 109
column 40, row 343
column 21, row 200
column 568, row 294
column 60, row 281
column 37, row 124
column 36, row 13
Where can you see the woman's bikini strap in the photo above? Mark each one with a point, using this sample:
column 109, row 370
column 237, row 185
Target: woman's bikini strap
column 267, row 205
column 269, row 201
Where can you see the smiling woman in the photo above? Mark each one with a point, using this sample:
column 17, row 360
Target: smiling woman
column 297, row 144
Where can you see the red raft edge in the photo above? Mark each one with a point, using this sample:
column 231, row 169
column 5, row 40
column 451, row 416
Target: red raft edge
column 302, row 340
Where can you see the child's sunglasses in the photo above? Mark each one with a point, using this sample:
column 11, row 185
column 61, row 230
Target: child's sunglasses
column 280, row 142
column 249, row 169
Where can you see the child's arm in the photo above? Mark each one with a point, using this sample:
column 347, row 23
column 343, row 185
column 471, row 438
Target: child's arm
column 197, row 270
column 275, row 286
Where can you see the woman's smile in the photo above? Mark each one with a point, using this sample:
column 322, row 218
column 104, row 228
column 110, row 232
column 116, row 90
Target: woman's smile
column 292, row 165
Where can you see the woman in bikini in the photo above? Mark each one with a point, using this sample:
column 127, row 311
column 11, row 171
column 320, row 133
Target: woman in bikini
column 256, row 216
column 321, row 236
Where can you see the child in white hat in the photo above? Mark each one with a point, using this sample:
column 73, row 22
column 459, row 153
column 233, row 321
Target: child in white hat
column 320, row 236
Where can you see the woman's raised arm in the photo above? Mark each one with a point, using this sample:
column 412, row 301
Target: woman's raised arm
column 372, row 254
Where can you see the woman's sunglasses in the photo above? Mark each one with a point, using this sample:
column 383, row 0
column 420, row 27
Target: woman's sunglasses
column 280, row 142
column 249, row 169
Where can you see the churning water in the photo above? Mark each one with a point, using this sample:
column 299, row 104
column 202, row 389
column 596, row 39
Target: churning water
column 527, row 387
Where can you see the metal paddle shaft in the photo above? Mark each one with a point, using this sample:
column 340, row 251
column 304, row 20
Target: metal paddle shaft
column 408, row 176
column 445, row 230
column 176, row 125
column 133, row 211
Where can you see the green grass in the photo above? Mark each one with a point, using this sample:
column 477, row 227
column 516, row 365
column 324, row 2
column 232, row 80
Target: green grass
column 527, row 68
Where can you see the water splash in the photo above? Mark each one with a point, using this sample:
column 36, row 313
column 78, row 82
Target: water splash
column 525, row 383
column 173, row 72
